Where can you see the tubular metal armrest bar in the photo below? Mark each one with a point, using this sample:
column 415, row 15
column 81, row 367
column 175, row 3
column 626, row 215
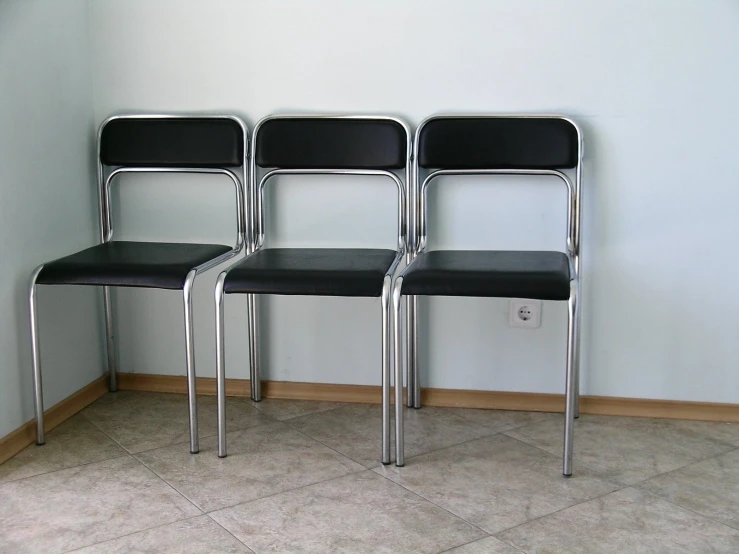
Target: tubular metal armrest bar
column 106, row 235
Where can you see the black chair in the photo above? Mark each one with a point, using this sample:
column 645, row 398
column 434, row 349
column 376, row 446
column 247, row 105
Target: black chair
column 317, row 145
column 210, row 145
column 495, row 145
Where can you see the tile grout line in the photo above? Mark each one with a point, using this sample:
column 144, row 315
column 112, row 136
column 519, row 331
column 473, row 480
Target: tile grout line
column 658, row 497
column 492, row 433
column 82, row 413
column 284, row 492
column 183, row 495
column 555, row 512
column 132, row 533
column 695, row 462
column 330, row 448
column 365, row 470
column 515, row 526
column 122, row 455
column 482, row 539
column 699, row 460
column 229, row 532
column 252, row 403
column 207, row 512
column 574, row 458
column 456, row 516
column 185, row 440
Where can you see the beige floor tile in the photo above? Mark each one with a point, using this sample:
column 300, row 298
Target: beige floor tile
column 626, row 449
column 199, row 535
column 281, row 409
column 355, row 430
column 628, row 521
column 489, row 545
column 72, row 508
column 710, row 488
column 261, row 461
column 502, row 420
column 140, row 421
column 73, row 443
column 357, row 513
column 496, row 482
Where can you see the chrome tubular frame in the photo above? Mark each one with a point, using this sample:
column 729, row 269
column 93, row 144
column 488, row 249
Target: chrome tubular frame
column 106, row 235
column 574, row 203
column 256, row 203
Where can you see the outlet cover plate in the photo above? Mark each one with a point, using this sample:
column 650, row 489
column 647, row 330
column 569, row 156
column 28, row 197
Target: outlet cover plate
column 524, row 313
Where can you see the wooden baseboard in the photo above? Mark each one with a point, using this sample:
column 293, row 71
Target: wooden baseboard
column 19, row 439
column 491, row 400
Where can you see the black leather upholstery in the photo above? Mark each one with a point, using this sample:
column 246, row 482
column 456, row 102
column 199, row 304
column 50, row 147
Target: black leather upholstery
column 501, row 274
column 172, row 142
column 160, row 265
column 312, row 271
column 317, row 143
column 498, row 143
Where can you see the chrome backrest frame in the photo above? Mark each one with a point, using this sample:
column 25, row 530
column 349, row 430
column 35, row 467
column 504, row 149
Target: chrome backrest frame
column 574, row 191
column 107, row 174
column 257, row 180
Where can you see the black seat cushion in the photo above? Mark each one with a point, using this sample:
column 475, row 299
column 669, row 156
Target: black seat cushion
column 312, row 271
column 493, row 273
column 159, row 265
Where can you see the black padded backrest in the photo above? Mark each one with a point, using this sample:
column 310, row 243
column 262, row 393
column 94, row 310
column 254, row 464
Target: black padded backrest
column 331, row 143
column 172, row 142
column 498, row 143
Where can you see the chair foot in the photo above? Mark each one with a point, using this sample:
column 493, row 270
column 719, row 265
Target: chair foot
column 567, row 474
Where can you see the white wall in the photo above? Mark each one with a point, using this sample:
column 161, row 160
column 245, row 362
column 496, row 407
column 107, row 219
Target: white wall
column 653, row 84
column 47, row 199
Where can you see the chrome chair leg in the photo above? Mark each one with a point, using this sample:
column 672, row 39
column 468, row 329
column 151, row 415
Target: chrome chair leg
column 253, row 330
column 577, row 353
column 571, row 379
column 398, row 346
column 220, row 367
column 386, row 362
column 413, row 357
column 38, row 393
column 410, row 313
column 577, row 382
column 192, row 398
column 110, row 340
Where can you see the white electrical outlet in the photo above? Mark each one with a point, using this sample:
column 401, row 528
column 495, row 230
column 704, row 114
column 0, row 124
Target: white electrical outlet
column 525, row 313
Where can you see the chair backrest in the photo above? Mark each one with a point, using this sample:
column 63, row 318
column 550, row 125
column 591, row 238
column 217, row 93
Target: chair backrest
column 499, row 145
column 212, row 144
column 172, row 142
column 345, row 145
column 332, row 143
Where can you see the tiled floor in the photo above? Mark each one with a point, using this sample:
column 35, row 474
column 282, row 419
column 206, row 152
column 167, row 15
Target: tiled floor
column 304, row 477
